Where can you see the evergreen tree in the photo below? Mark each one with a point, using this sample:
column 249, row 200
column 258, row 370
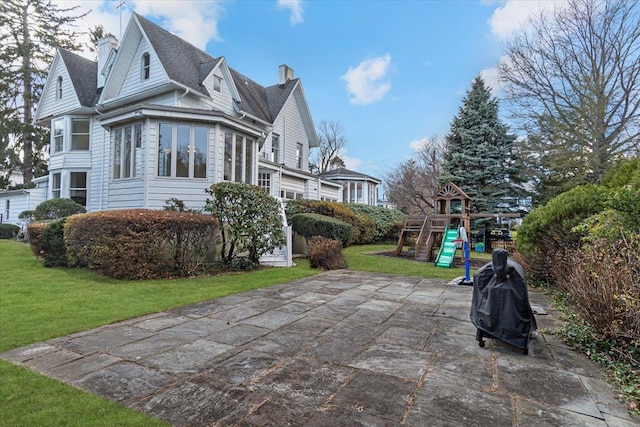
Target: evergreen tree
column 478, row 156
column 31, row 30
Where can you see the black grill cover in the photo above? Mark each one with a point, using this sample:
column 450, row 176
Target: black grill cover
column 500, row 306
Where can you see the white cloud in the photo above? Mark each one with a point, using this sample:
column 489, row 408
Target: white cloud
column 295, row 7
column 349, row 162
column 491, row 79
column 366, row 82
column 419, row 144
column 196, row 21
column 514, row 15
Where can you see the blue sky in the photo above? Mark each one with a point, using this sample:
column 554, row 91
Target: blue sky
column 391, row 72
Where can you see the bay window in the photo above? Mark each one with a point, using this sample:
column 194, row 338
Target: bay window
column 127, row 146
column 58, row 136
column 79, row 134
column 78, row 187
column 56, row 181
column 238, row 157
column 182, row 150
column 75, row 131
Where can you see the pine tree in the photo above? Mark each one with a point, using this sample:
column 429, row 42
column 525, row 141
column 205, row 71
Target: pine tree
column 31, row 30
column 478, row 156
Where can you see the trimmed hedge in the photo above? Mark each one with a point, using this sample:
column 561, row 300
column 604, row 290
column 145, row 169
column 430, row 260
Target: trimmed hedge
column 388, row 222
column 140, row 243
column 56, row 209
column 326, row 254
column 46, row 240
column 336, row 210
column 8, row 231
column 311, row 225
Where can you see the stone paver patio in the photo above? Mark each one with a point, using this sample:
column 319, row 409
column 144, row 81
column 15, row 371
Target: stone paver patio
column 340, row 348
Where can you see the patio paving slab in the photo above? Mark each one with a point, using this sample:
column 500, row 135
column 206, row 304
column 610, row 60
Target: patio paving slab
column 342, row 348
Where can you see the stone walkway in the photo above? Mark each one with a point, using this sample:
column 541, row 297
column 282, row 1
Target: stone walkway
column 340, row 348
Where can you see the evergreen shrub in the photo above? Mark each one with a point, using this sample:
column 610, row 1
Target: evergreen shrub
column 56, row 209
column 310, row 225
column 326, row 254
column 140, row 243
column 251, row 222
column 8, row 231
column 388, row 222
column 549, row 230
column 46, row 240
column 336, row 210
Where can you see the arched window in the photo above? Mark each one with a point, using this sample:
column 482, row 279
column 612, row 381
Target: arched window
column 146, row 65
column 59, row 88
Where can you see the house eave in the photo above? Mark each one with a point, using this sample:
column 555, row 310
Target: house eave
column 140, row 111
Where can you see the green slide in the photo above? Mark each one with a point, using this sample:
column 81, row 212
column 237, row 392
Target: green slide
column 448, row 248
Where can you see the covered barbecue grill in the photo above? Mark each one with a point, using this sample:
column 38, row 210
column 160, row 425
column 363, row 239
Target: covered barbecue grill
column 500, row 307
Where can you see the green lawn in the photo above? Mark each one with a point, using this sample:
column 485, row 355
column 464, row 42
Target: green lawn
column 38, row 303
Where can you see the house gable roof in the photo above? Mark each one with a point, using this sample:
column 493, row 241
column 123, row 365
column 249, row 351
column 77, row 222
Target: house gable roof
column 183, row 62
column 188, row 66
column 346, row 174
column 84, row 75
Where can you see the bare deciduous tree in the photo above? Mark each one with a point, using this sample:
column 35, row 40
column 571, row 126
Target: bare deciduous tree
column 411, row 184
column 332, row 142
column 573, row 76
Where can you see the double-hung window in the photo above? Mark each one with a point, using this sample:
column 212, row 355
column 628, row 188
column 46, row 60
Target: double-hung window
column 146, row 66
column 299, row 155
column 217, row 84
column 127, row 147
column 238, row 157
column 57, row 135
column 275, row 148
column 78, row 187
column 56, row 181
column 183, row 150
column 79, row 134
column 59, row 88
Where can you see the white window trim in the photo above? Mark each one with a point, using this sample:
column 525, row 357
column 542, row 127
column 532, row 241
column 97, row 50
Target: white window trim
column 135, row 155
column 248, row 143
column 220, row 81
column 59, row 82
column 191, row 150
column 145, row 69
column 53, row 147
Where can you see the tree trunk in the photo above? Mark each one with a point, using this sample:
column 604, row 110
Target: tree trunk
column 27, row 135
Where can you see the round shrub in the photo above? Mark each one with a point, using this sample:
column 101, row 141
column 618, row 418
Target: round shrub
column 8, row 231
column 310, row 225
column 56, row 209
column 326, row 254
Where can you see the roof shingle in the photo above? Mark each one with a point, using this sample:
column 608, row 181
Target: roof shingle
column 84, row 77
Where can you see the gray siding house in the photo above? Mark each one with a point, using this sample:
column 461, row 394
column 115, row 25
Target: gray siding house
column 154, row 118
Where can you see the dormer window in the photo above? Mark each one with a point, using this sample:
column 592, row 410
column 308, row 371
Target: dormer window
column 146, row 66
column 217, row 84
column 59, row 88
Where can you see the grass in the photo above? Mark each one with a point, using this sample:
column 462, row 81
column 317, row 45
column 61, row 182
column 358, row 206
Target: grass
column 360, row 258
column 38, row 303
